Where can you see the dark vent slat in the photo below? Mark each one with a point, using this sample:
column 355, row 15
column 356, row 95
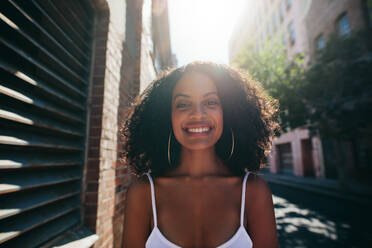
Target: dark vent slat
column 80, row 27
column 12, row 204
column 82, row 12
column 39, row 26
column 23, row 159
column 13, row 182
column 45, row 60
column 40, row 104
column 13, row 164
column 41, row 67
column 31, row 120
column 45, row 232
column 54, row 61
column 16, row 225
column 75, row 34
column 61, row 33
column 43, row 87
column 29, row 142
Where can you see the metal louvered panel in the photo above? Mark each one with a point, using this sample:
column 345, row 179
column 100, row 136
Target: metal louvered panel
column 45, row 49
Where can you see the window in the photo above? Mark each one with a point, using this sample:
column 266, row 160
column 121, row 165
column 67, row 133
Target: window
column 288, row 3
column 284, row 40
column 292, row 36
column 343, row 26
column 281, row 12
column 275, row 21
column 268, row 29
column 319, row 42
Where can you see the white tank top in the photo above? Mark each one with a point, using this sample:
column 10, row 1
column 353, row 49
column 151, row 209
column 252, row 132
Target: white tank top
column 240, row 239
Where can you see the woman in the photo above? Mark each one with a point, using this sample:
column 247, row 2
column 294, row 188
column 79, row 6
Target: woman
column 193, row 137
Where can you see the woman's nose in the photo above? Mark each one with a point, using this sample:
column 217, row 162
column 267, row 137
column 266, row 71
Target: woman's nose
column 198, row 110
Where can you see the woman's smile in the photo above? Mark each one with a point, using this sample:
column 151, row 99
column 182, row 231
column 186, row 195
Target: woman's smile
column 198, row 129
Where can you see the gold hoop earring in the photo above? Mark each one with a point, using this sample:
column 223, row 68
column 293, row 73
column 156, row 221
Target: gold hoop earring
column 169, row 140
column 233, row 143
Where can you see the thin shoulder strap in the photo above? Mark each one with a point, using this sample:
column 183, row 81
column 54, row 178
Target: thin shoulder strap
column 153, row 199
column 243, row 199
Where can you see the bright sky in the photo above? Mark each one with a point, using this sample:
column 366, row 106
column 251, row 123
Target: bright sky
column 201, row 29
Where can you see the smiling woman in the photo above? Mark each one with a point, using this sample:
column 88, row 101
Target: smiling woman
column 196, row 112
column 200, row 130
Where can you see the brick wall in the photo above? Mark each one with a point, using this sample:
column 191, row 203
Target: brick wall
column 115, row 82
column 122, row 62
column 148, row 72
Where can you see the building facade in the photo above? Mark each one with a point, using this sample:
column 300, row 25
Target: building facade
column 302, row 26
column 345, row 17
column 69, row 70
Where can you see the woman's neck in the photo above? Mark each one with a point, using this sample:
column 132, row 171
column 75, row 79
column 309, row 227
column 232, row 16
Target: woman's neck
column 199, row 163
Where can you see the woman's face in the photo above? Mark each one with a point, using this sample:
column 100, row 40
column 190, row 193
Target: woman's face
column 197, row 117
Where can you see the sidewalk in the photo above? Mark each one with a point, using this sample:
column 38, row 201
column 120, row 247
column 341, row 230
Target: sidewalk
column 356, row 193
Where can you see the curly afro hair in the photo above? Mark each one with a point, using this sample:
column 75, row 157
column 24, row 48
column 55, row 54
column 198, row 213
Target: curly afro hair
column 247, row 111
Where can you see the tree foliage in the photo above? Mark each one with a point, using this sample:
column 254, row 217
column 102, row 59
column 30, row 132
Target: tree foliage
column 332, row 93
column 279, row 75
column 337, row 87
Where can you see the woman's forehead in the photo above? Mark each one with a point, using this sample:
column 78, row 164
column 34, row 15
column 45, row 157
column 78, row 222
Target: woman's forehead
column 195, row 83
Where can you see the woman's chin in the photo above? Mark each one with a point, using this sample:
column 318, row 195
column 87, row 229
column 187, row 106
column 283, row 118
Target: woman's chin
column 202, row 147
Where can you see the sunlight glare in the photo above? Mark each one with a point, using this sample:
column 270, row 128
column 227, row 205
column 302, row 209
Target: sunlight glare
column 200, row 29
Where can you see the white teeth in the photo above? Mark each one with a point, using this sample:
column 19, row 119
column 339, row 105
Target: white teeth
column 198, row 130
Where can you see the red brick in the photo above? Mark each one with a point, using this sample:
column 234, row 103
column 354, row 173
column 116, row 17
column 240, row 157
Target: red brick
column 96, row 122
column 91, row 223
column 92, row 175
column 98, row 89
column 98, row 80
column 92, row 187
column 93, row 153
column 90, row 210
column 94, row 142
column 91, row 197
column 94, row 132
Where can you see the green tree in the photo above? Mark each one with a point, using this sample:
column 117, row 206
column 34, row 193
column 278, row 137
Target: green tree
column 337, row 87
column 332, row 94
column 279, row 75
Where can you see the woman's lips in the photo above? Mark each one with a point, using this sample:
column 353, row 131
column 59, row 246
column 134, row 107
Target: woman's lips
column 197, row 130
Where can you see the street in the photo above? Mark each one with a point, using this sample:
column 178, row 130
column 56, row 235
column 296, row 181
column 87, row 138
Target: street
column 306, row 219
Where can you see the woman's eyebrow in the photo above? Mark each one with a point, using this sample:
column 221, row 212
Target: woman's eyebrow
column 178, row 95
column 210, row 93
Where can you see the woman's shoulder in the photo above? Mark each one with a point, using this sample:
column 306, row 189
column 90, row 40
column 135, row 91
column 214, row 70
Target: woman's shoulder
column 139, row 189
column 257, row 187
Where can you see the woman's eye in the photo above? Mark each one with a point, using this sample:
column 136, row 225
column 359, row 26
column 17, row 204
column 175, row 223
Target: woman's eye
column 212, row 102
column 182, row 105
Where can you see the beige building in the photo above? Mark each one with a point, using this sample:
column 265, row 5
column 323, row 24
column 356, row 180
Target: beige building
column 302, row 26
column 272, row 20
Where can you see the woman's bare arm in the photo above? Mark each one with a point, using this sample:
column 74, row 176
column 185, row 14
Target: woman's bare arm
column 260, row 213
column 137, row 214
